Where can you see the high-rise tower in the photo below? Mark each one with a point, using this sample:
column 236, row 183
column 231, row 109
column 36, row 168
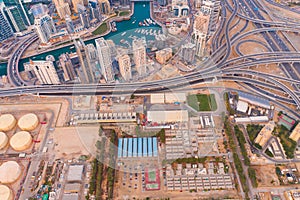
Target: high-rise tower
column 104, row 55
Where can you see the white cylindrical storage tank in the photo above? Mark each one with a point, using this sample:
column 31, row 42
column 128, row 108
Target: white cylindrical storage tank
column 28, row 122
column 5, row 193
column 3, row 140
column 10, row 172
column 7, row 122
column 21, row 141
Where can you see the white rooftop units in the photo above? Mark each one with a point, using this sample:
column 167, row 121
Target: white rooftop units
column 242, row 106
column 168, row 116
column 75, row 173
column 106, row 117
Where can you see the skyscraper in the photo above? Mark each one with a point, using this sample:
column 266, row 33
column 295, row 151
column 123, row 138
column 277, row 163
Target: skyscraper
column 45, row 27
column 94, row 60
column 125, row 67
column 94, row 10
column 38, row 9
column 104, row 7
column 188, row 52
column 68, row 68
column 105, row 59
column 70, row 25
column 63, row 8
column 75, row 4
column 200, row 31
column 162, row 2
column 83, row 15
column 17, row 14
column 45, row 72
column 5, row 30
column 87, row 74
column 139, row 55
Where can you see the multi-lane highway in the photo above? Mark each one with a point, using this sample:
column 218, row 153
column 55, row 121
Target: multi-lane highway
column 220, row 65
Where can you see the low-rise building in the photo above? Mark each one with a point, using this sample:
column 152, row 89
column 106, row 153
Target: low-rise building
column 295, row 135
column 265, row 134
column 163, row 55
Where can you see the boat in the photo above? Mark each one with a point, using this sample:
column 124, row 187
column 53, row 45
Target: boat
column 134, row 22
column 72, row 47
column 144, row 5
column 122, row 41
column 154, row 23
column 140, row 23
column 123, row 33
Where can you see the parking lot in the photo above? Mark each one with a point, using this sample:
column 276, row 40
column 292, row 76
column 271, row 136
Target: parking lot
column 131, row 178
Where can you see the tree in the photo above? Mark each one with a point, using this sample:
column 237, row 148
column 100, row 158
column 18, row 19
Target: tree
column 132, row 96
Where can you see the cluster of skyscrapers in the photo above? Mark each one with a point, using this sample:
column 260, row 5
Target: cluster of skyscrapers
column 18, row 17
column 91, row 64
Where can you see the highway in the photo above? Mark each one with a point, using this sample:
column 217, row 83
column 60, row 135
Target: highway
column 220, row 65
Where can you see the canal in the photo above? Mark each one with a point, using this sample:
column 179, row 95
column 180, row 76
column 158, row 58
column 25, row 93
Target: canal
column 125, row 31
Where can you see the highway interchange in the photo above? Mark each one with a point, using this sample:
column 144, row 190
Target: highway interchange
column 220, row 66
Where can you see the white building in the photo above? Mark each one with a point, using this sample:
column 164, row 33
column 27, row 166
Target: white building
column 45, row 72
column 45, row 27
column 125, row 67
column 139, row 55
column 105, row 59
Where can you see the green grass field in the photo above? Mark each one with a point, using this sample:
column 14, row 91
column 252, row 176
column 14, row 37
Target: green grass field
column 152, row 176
column 101, row 29
column 202, row 102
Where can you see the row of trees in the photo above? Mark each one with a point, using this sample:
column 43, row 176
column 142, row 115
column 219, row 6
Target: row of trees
column 112, row 163
column 97, row 171
column 237, row 161
column 242, row 141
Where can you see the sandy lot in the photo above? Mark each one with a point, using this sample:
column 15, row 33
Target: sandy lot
column 266, row 176
column 71, row 142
